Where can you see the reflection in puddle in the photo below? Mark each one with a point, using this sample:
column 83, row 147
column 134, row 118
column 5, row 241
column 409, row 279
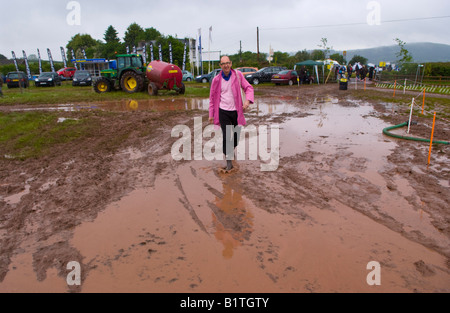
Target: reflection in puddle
column 260, row 107
column 181, row 104
column 232, row 221
column 336, row 127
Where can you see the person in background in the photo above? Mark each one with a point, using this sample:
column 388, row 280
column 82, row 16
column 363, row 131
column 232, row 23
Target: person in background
column 371, row 70
column 349, row 71
column 302, row 75
column 357, row 70
column 1, row 85
column 363, row 72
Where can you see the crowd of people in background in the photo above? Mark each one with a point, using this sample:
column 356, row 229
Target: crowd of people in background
column 361, row 71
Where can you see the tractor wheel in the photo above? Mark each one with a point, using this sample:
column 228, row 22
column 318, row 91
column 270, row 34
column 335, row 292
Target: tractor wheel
column 152, row 89
column 102, row 85
column 182, row 90
column 131, row 82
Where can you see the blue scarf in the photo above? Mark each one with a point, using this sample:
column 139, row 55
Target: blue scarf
column 227, row 78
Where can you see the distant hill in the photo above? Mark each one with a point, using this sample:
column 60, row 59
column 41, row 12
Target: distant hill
column 422, row 52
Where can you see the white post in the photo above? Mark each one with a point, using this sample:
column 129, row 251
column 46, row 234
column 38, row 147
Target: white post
column 410, row 115
column 404, row 87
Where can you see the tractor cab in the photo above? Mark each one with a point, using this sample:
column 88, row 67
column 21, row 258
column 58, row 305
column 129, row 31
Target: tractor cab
column 130, row 60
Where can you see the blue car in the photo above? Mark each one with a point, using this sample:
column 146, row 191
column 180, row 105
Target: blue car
column 187, row 76
column 207, row 78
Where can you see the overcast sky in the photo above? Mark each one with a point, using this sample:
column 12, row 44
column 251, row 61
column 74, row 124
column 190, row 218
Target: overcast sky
column 288, row 25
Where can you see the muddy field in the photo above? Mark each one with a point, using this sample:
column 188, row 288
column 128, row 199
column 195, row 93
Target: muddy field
column 136, row 220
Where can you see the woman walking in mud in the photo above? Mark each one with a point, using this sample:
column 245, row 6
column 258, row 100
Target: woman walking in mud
column 227, row 105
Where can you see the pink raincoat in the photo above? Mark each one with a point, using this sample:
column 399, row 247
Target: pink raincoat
column 214, row 97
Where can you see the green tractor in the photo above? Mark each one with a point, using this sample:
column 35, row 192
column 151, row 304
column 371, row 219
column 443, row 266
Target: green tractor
column 129, row 75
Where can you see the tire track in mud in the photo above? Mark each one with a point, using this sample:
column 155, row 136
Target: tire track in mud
column 70, row 186
column 326, row 178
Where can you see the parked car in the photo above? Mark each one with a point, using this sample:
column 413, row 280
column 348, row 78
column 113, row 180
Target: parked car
column 205, row 78
column 48, row 79
column 264, row 74
column 285, row 77
column 247, row 70
column 82, row 78
column 14, row 78
column 187, row 76
column 66, row 73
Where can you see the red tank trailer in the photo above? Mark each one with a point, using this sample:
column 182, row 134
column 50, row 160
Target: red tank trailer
column 162, row 75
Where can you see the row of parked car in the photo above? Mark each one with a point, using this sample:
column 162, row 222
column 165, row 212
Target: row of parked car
column 20, row 79
column 275, row 74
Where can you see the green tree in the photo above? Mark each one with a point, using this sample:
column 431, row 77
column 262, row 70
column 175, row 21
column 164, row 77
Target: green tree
column 338, row 57
column 318, row 55
column 111, row 35
column 280, row 58
column 133, row 35
column 403, row 55
column 2, row 57
column 80, row 42
column 150, row 34
column 112, row 46
column 247, row 58
column 301, row 56
column 357, row 58
column 325, row 48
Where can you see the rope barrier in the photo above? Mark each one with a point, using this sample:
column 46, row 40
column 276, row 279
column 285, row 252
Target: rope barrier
column 415, row 86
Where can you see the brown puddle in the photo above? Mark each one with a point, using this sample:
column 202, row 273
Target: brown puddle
column 208, row 237
column 195, row 230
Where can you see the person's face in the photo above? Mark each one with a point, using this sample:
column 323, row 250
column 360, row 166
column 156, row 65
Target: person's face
column 225, row 65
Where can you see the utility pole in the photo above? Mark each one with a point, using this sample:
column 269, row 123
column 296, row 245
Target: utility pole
column 240, row 50
column 257, row 42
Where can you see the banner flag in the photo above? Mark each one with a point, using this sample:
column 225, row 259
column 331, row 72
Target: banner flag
column 84, row 54
column 151, row 52
column 40, row 62
column 209, row 49
column 184, row 57
column 63, row 54
column 144, row 52
column 170, row 53
column 210, row 32
column 50, row 59
column 200, row 48
column 74, row 57
column 15, row 60
column 128, row 50
column 26, row 64
column 160, row 52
